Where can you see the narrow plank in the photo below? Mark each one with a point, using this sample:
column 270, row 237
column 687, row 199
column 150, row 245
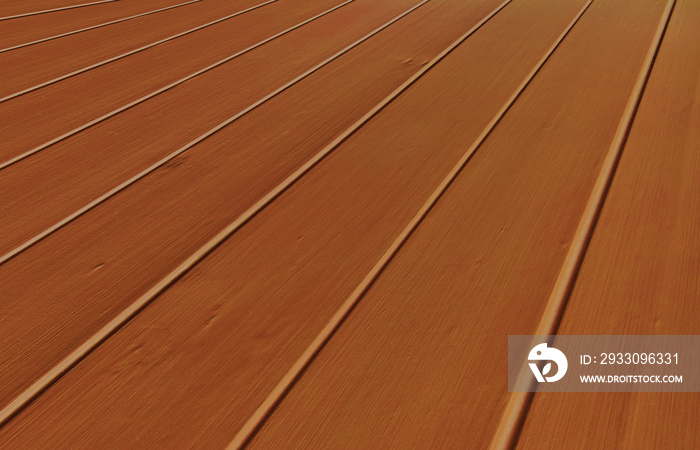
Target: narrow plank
column 640, row 273
column 58, row 293
column 35, row 65
column 422, row 360
column 193, row 366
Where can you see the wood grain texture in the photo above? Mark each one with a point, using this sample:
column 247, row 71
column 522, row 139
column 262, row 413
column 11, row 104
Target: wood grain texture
column 36, row 194
column 279, row 278
column 640, row 274
column 16, row 32
column 420, row 361
column 196, row 195
column 27, row 67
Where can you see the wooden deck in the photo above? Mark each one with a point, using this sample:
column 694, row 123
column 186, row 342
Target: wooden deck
column 314, row 223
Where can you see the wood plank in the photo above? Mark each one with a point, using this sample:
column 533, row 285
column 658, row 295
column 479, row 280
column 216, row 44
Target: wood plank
column 640, row 273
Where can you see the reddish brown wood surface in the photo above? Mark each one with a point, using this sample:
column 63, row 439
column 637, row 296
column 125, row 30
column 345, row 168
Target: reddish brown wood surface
column 27, row 29
column 420, row 362
column 640, row 274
